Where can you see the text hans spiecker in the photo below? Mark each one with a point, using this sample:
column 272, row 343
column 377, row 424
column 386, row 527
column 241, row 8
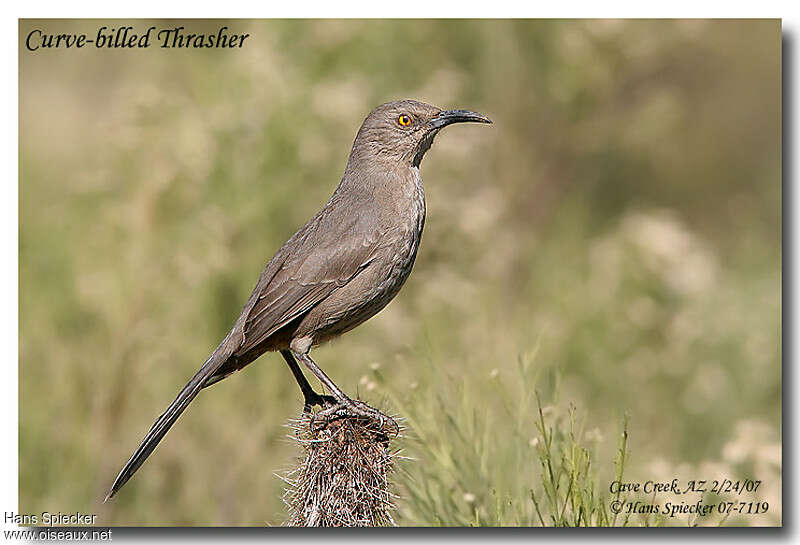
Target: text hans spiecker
column 47, row 518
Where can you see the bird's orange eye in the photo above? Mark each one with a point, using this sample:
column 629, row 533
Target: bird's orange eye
column 404, row 120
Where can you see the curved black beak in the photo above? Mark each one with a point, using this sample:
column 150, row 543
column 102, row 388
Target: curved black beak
column 449, row 117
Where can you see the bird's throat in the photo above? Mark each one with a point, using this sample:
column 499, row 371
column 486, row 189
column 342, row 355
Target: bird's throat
column 424, row 145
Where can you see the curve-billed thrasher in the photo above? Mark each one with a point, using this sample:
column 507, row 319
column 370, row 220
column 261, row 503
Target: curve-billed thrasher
column 338, row 270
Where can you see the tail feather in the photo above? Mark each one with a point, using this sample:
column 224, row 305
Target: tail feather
column 168, row 418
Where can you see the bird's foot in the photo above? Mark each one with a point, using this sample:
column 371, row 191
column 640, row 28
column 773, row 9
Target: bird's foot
column 318, row 399
column 351, row 408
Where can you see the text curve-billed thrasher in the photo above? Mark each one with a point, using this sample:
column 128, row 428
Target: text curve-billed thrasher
column 338, row 270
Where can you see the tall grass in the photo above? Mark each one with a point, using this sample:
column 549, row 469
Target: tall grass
column 515, row 464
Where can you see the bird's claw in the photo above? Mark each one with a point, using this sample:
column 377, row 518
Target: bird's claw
column 349, row 407
column 317, row 399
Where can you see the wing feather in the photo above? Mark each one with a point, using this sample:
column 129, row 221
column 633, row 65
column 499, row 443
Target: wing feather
column 311, row 266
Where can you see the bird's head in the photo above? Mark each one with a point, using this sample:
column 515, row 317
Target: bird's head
column 404, row 130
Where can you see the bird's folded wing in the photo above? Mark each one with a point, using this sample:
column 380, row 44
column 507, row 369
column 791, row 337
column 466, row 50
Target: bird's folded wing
column 309, row 275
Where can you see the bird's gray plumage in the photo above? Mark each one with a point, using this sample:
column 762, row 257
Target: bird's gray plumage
column 340, row 268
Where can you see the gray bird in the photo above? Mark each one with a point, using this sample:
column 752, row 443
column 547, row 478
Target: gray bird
column 338, row 270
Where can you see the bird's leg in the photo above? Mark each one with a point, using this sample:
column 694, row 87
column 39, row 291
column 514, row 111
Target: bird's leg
column 345, row 405
column 310, row 397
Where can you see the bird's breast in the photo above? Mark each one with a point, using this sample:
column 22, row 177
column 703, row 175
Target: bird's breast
column 415, row 214
column 399, row 234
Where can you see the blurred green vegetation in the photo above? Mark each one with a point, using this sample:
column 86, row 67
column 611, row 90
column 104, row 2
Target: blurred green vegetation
column 621, row 219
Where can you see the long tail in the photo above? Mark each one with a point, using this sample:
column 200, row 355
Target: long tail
column 166, row 420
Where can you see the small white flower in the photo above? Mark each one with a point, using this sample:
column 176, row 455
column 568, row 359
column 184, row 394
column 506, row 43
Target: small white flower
column 594, row 435
column 469, row 497
column 494, row 373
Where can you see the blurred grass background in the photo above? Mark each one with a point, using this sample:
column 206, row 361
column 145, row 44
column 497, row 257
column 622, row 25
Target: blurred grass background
column 617, row 230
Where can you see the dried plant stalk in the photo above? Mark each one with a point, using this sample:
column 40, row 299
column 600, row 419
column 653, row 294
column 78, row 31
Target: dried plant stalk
column 343, row 478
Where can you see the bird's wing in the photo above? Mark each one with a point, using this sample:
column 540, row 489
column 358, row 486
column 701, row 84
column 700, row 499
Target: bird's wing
column 318, row 260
